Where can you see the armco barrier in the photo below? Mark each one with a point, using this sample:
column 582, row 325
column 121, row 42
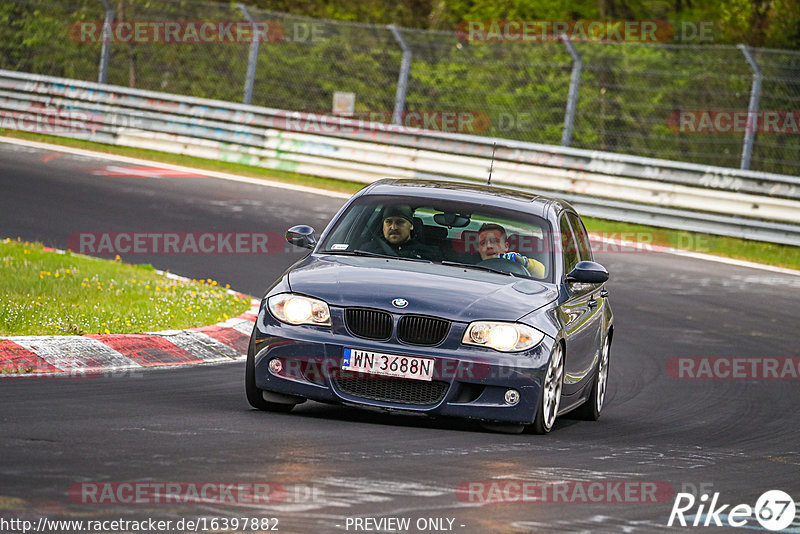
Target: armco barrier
column 664, row 193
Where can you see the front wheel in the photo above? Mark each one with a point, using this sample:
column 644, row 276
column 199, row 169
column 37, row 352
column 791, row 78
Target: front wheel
column 550, row 396
column 590, row 410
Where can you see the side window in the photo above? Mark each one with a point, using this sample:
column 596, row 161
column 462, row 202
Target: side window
column 569, row 246
column 584, row 247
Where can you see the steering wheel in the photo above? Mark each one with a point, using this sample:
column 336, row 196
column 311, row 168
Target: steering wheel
column 509, row 266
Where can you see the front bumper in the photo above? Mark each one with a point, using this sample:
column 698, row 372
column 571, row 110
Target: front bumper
column 468, row 382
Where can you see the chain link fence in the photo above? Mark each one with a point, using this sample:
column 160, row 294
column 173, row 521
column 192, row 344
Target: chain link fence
column 678, row 102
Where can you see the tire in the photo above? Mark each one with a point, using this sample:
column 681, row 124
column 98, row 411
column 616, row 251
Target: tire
column 590, row 410
column 255, row 396
column 550, row 395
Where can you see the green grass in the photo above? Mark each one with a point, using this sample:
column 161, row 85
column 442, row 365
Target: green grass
column 49, row 293
column 755, row 251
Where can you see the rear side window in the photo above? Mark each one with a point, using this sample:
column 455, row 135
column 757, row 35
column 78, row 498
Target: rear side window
column 584, row 246
column 569, row 246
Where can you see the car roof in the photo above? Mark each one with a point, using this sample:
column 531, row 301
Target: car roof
column 476, row 193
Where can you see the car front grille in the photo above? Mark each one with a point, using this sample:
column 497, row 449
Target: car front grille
column 369, row 324
column 411, row 329
column 421, row 330
column 389, row 389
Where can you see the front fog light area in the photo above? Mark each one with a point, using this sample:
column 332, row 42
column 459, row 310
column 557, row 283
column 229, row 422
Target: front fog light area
column 504, row 337
column 512, row 396
column 275, row 366
column 297, row 309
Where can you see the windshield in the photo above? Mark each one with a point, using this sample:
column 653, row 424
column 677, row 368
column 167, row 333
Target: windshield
column 453, row 233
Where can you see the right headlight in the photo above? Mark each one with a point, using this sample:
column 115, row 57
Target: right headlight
column 298, row 309
column 504, row 337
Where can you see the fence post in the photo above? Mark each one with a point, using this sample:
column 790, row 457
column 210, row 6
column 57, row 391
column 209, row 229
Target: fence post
column 105, row 52
column 752, row 108
column 574, row 84
column 252, row 58
column 402, row 79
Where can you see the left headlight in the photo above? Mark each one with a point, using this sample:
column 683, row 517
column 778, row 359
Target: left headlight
column 297, row 309
column 505, row 337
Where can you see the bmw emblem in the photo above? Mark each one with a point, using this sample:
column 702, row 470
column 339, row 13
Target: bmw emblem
column 399, row 303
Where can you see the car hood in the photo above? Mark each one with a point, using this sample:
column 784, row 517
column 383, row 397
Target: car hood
column 431, row 289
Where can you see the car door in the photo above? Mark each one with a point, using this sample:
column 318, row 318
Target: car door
column 581, row 308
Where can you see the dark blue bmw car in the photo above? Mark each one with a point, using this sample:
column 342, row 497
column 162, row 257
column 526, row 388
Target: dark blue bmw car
column 440, row 298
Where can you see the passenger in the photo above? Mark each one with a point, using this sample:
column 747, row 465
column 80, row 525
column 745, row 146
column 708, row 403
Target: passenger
column 493, row 243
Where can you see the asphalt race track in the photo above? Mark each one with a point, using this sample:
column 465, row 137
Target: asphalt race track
column 329, row 465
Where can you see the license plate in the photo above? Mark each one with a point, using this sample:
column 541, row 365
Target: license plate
column 393, row 365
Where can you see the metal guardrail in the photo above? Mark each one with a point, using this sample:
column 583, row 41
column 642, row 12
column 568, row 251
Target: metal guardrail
column 702, row 198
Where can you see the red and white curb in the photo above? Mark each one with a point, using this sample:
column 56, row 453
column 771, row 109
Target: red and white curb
column 107, row 353
column 98, row 354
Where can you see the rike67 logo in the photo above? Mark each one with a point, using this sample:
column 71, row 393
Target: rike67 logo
column 774, row 510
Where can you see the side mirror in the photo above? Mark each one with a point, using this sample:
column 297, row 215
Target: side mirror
column 301, row 236
column 588, row 272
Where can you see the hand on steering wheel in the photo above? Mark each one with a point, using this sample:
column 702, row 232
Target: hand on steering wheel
column 505, row 265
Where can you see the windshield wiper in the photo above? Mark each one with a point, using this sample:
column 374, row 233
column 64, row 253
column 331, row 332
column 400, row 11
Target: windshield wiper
column 473, row 266
column 375, row 255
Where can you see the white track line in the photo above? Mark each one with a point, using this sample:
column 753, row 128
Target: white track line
column 656, row 249
column 152, row 163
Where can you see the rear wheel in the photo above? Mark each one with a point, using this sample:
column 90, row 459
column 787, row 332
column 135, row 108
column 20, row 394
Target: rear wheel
column 591, row 409
column 550, row 396
column 255, row 396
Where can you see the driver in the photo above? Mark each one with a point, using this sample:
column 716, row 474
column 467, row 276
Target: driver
column 398, row 223
column 493, row 243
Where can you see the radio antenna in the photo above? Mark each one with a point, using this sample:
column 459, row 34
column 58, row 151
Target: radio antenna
column 491, row 165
